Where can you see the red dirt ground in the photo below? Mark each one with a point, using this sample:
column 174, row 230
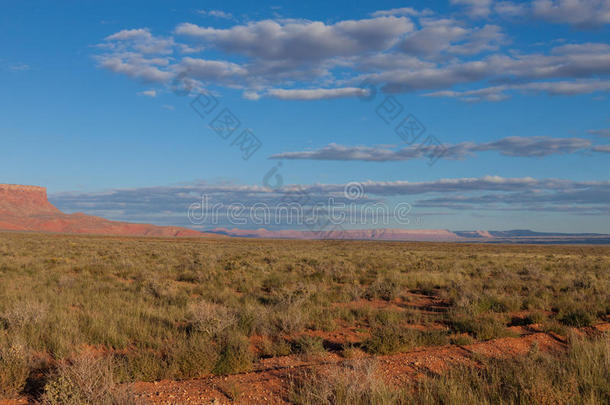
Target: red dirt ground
column 269, row 382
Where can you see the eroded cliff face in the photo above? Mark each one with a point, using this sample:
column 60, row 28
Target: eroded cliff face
column 26, row 208
column 25, row 200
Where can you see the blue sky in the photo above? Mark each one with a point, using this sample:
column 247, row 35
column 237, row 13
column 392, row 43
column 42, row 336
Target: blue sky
column 515, row 92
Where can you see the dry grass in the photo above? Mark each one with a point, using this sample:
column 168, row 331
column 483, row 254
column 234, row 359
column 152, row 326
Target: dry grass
column 180, row 308
column 580, row 376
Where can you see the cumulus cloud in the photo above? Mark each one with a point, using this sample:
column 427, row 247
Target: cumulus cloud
column 579, row 13
column 141, row 40
column 299, row 40
column 401, row 50
column 136, row 66
column 567, row 61
column 499, row 93
column 216, row 70
column 138, row 54
column 475, row 8
column 440, row 36
column 517, row 146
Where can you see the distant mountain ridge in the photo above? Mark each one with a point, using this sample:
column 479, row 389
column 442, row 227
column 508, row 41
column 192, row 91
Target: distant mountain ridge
column 422, row 235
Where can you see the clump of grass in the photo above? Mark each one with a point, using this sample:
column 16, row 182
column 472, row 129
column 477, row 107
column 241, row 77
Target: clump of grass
column 461, row 339
column 483, row 327
column 577, row 318
column 274, row 346
column 86, row 380
column 234, row 356
column 309, row 345
column 384, row 288
column 392, row 338
column 192, row 356
column 349, row 351
column 351, row 384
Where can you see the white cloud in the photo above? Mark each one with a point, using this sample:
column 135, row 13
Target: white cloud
column 579, row 13
column 19, row 67
column 211, row 69
column 141, row 40
column 317, row 94
column 535, row 146
column 499, row 93
column 301, row 41
column 407, row 11
column 136, row 66
column 601, row 148
column 217, row 14
column 475, row 8
column 300, row 59
column 600, row 132
column 585, row 13
column 158, row 204
column 148, row 93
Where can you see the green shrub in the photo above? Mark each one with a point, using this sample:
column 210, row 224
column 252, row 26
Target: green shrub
column 306, row 344
column 393, row 338
column 577, row 318
column 483, row 327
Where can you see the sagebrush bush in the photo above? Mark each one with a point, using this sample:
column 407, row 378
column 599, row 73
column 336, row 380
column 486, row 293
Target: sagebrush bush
column 350, row 384
column 210, row 318
column 14, row 368
column 86, row 380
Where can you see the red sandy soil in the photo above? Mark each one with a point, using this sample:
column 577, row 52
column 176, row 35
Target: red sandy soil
column 269, row 381
column 26, row 208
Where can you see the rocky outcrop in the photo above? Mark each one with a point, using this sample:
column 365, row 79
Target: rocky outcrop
column 26, row 208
